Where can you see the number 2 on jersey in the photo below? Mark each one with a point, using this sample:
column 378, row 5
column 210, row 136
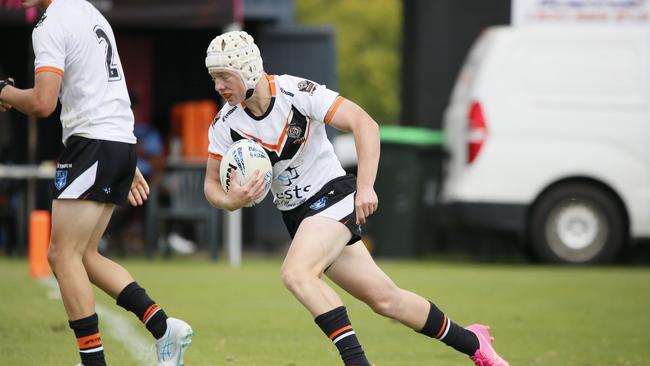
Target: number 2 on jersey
column 111, row 67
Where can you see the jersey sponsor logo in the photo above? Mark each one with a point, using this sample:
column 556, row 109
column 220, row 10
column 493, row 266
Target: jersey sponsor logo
column 107, row 190
column 307, row 87
column 286, row 92
column 64, row 165
column 60, row 179
column 292, row 193
column 288, row 176
column 319, row 204
column 231, row 111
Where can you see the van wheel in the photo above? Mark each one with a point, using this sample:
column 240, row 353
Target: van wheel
column 577, row 223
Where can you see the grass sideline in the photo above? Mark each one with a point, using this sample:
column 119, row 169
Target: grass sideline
column 589, row 316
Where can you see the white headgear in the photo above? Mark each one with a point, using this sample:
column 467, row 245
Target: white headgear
column 236, row 51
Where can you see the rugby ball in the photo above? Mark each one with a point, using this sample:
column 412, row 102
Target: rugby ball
column 246, row 156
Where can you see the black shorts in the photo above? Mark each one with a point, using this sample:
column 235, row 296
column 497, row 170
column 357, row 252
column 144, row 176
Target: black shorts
column 335, row 200
column 96, row 170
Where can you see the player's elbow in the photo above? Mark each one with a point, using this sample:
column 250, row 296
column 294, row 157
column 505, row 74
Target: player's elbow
column 41, row 108
column 365, row 125
column 208, row 196
column 362, row 121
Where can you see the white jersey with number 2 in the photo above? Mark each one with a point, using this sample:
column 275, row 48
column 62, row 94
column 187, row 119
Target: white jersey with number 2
column 74, row 40
column 292, row 131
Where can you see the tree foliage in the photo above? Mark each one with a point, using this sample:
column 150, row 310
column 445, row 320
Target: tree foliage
column 368, row 45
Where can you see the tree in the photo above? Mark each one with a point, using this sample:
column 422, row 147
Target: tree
column 368, row 46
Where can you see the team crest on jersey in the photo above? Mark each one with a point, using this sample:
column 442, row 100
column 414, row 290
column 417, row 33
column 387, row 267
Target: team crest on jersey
column 60, row 179
column 294, row 131
column 307, row 87
column 319, row 204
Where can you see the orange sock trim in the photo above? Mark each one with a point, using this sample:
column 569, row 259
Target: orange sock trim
column 442, row 329
column 333, row 335
column 91, row 341
column 147, row 314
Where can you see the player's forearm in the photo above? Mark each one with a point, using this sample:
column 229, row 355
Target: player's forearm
column 28, row 101
column 366, row 140
column 215, row 194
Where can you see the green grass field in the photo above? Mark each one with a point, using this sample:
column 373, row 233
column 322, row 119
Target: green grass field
column 539, row 315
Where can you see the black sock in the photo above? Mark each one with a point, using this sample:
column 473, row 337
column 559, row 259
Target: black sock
column 135, row 299
column 336, row 326
column 442, row 328
column 89, row 340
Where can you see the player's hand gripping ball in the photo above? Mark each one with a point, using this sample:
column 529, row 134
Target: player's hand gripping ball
column 246, row 156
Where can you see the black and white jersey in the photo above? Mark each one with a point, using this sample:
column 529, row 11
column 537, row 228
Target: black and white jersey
column 292, row 131
column 74, row 40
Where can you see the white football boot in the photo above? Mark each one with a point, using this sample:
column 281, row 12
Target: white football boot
column 171, row 346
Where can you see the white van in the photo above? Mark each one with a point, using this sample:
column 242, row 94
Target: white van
column 548, row 135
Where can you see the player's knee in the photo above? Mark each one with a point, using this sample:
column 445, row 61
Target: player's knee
column 53, row 256
column 293, row 278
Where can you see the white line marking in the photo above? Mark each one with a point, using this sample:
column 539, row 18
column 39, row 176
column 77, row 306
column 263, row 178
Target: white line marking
column 118, row 326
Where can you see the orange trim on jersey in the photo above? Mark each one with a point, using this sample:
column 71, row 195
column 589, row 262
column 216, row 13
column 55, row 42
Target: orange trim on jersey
column 333, row 335
column 333, row 108
column 278, row 145
column 215, row 156
column 53, row 69
column 271, row 80
column 307, row 132
column 91, row 341
column 442, row 329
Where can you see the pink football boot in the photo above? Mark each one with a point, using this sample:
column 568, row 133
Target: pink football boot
column 485, row 355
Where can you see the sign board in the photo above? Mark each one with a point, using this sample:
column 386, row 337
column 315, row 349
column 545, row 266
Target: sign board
column 580, row 12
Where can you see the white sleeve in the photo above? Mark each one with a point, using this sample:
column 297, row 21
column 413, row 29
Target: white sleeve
column 312, row 99
column 219, row 137
column 49, row 39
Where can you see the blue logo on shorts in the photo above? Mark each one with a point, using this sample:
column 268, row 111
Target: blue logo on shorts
column 319, row 204
column 60, row 179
